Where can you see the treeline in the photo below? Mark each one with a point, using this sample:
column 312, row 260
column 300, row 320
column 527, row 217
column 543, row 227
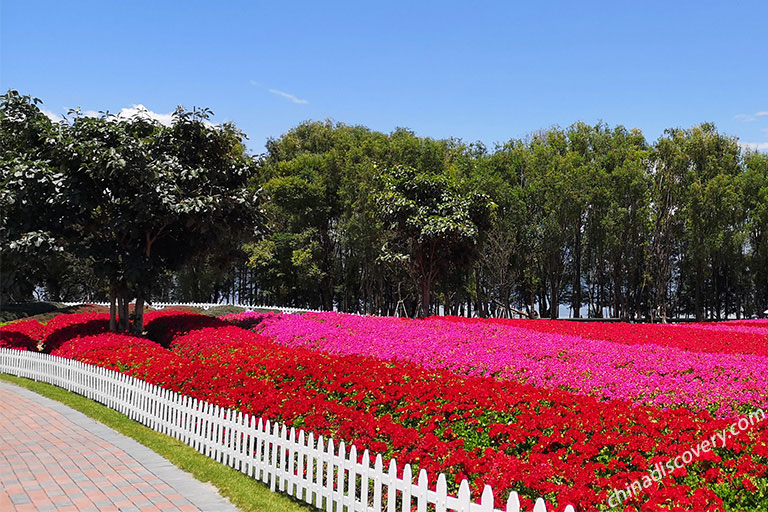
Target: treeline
column 591, row 219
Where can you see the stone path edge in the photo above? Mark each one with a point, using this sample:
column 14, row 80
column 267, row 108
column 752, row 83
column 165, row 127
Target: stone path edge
column 203, row 495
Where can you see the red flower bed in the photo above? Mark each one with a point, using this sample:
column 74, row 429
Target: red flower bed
column 22, row 335
column 209, row 339
column 138, row 357
column 249, row 319
column 683, row 336
column 164, row 325
column 63, row 328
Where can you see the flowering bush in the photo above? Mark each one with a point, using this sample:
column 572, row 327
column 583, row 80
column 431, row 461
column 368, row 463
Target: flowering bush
column 209, row 340
column 565, row 447
column 164, row 325
column 21, row 335
column 650, row 374
column 690, row 337
column 248, row 319
column 755, row 322
column 66, row 327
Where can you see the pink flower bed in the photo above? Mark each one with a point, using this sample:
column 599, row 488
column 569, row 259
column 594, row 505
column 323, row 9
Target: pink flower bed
column 682, row 336
column 645, row 374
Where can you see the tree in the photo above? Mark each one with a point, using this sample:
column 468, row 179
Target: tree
column 133, row 197
column 432, row 224
column 555, row 206
column 685, row 163
column 754, row 185
column 29, row 189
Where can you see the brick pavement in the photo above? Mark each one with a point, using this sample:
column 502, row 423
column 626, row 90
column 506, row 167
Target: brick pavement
column 55, row 458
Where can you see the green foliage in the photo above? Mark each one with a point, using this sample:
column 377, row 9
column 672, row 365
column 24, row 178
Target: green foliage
column 223, row 310
column 337, row 216
column 432, row 226
column 130, row 196
column 11, row 312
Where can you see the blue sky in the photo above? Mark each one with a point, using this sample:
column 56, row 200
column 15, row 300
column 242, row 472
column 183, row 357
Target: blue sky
column 486, row 71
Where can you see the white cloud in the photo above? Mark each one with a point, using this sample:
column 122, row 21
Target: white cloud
column 288, row 96
column 53, row 116
column 754, row 146
column 752, row 117
column 127, row 112
column 166, row 119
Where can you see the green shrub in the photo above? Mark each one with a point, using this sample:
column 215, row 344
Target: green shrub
column 224, row 310
column 11, row 312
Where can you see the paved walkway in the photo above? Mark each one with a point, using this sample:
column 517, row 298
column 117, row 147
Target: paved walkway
column 55, row 458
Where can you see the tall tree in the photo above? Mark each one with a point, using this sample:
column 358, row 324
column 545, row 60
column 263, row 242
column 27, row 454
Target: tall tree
column 433, row 224
column 136, row 198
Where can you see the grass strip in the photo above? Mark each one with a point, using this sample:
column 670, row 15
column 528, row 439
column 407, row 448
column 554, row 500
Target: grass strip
column 244, row 492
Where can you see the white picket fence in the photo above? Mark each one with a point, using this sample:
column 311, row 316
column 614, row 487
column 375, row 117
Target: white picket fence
column 205, row 305
column 317, row 471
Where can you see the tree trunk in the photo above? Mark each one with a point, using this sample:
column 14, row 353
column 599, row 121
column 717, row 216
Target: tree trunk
column 112, row 310
column 120, row 307
column 138, row 322
column 698, row 292
column 554, row 300
column 425, row 296
column 576, row 297
column 123, row 300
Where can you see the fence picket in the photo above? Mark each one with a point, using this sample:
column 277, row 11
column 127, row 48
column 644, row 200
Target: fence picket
column 258, row 441
column 273, row 464
column 339, row 494
column 239, row 437
column 486, row 500
column 351, row 465
column 282, row 457
column 329, row 480
column 421, row 491
column 513, row 502
column 378, row 479
column 365, row 478
column 441, row 493
column 319, row 469
column 406, row 493
column 392, row 486
column 301, row 469
column 218, row 439
column 290, row 451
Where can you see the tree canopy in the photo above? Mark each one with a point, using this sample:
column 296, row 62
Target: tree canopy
column 131, row 197
column 591, row 219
